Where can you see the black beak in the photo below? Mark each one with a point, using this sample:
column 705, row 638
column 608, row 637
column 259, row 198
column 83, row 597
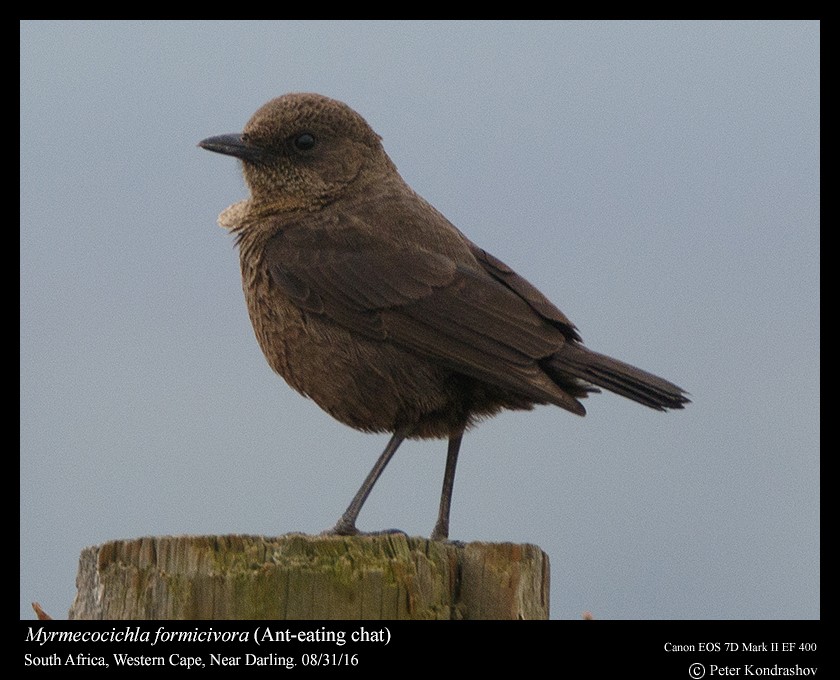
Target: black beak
column 234, row 145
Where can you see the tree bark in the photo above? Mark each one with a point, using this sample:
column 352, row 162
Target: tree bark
column 389, row 576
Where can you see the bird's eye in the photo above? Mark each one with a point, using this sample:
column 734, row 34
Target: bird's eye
column 304, row 142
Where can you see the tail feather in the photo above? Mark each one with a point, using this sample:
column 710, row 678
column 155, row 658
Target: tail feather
column 575, row 361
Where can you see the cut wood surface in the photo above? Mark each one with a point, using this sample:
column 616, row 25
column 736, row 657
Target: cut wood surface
column 296, row 576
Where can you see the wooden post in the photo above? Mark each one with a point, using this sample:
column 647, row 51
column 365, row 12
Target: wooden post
column 389, row 576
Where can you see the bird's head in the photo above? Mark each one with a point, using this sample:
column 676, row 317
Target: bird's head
column 303, row 150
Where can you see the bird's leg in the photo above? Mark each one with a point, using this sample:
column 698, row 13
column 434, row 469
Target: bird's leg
column 346, row 525
column 441, row 530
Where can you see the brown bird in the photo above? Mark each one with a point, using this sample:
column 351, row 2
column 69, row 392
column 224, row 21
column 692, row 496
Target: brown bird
column 366, row 299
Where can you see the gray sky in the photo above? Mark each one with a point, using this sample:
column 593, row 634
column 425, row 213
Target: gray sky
column 658, row 181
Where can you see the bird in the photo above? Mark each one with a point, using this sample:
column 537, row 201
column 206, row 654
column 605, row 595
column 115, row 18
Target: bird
column 367, row 300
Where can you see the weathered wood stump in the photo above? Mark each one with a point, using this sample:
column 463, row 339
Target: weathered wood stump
column 296, row 576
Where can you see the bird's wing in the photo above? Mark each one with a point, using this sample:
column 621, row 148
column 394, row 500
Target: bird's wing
column 425, row 302
column 524, row 289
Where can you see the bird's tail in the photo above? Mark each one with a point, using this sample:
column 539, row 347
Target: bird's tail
column 575, row 361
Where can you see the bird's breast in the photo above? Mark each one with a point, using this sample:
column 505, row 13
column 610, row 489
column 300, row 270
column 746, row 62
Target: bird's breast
column 367, row 384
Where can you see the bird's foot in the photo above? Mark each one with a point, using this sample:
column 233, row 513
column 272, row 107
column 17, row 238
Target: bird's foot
column 344, row 528
column 384, row 532
column 440, row 532
column 444, row 538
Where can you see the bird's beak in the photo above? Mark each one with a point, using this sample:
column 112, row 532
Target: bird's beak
column 234, row 145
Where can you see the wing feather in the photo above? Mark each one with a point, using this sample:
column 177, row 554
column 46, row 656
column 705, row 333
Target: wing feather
column 456, row 312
